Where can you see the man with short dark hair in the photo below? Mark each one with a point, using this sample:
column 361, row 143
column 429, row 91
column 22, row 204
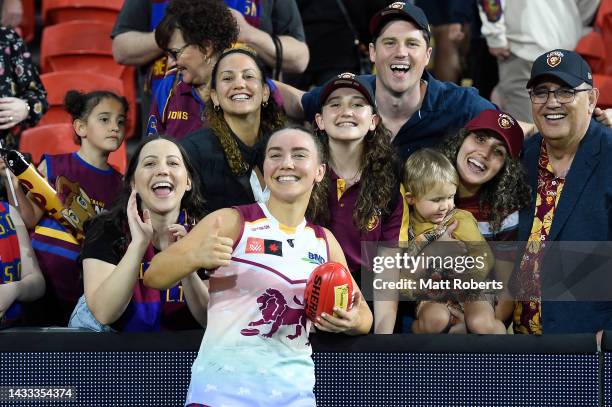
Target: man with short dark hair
column 569, row 165
column 418, row 109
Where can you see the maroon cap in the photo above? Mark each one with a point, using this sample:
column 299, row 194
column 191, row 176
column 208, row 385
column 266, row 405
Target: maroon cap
column 347, row 80
column 501, row 123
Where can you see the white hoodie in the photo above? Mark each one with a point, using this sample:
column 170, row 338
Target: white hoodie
column 531, row 27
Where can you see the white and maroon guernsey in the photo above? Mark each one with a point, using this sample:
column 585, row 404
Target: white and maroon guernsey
column 255, row 350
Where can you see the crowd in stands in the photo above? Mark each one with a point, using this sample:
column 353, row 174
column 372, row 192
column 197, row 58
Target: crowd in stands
column 408, row 153
column 228, row 202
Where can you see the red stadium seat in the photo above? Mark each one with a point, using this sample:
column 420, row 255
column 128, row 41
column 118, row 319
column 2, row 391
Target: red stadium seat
column 604, row 14
column 603, row 22
column 60, row 11
column 592, row 49
column 86, row 46
column 28, row 23
column 604, row 84
column 79, row 45
column 58, row 83
column 59, row 139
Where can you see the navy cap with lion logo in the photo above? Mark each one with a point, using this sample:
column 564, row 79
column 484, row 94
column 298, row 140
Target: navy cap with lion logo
column 399, row 11
column 562, row 64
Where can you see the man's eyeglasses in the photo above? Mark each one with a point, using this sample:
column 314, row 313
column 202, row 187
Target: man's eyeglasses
column 176, row 53
column 563, row 95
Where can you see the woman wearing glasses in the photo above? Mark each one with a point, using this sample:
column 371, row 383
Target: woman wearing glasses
column 193, row 33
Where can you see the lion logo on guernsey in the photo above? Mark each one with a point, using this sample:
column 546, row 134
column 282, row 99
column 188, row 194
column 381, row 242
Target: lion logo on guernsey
column 373, row 222
column 276, row 312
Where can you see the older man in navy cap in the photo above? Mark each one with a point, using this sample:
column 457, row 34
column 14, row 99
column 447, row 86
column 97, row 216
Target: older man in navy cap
column 569, row 165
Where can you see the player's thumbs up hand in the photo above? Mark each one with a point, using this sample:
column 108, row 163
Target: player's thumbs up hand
column 216, row 226
column 216, row 249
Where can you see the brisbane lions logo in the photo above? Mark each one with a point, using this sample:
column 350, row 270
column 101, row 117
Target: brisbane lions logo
column 347, row 75
column 276, row 312
column 554, row 58
column 504, row 121
column 373, row 222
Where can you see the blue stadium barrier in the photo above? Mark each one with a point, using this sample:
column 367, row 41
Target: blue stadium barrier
column 375, row 370
column 606, row 382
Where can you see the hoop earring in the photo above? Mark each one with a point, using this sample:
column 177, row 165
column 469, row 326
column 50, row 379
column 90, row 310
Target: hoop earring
column 217, row 108
column 264, row 103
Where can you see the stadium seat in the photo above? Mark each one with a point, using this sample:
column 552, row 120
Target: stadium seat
column 78, row 45
column 60, row 11
column 604, row 15
column 592, row 49
column 28, row 23
column 603, row 23
column 58, row 83
column 59, row 139
column 604, row 84
column 86, row 46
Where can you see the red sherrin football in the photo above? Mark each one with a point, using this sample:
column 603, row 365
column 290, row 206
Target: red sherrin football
column 329, row 285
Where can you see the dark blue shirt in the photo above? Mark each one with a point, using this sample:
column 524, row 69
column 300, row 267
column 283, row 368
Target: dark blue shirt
column 446, row 108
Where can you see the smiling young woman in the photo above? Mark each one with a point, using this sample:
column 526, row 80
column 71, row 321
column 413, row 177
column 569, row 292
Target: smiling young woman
column 363, row 201
column 159, row 203
column 256, row 314
column 242, row 115
column 492, row 184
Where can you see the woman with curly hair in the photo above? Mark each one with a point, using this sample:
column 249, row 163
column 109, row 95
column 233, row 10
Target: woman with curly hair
column 492, row 184
column 241, row 115
column 193, row 35
column 363, row 200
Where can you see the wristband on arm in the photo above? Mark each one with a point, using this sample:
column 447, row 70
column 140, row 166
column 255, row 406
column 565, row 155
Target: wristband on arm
column 278, row 46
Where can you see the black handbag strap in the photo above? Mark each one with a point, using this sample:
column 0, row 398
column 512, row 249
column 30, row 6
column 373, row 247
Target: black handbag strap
column 278, row 48
column 349, row 22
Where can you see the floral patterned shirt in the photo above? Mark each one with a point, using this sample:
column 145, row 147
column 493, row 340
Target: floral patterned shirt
column 19, row 76
column 527, row 313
